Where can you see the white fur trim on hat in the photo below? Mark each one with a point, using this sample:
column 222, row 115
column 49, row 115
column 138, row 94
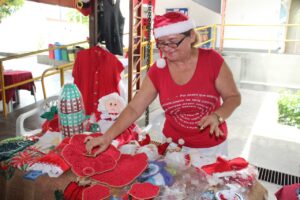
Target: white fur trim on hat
column 175, row 28
column 160, row 63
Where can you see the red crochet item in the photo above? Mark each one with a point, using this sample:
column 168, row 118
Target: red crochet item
column 83, row 165
column 128, row 135
column 54, row 159
column 79, row 140
column 96, row 192
column 144, row 191
column 145, row 141
column 51, row 125
column 128, row 169
column 222, row 165
column 73, row 191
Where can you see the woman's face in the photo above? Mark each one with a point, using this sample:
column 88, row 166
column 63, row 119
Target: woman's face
column 174, row 47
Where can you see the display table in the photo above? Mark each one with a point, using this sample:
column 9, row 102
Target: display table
column 44, row 187
column 16, row 76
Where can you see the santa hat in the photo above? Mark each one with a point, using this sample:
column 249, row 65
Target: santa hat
column 163, row 147
column 168, row 24
column 52, row 164
column 172, row 23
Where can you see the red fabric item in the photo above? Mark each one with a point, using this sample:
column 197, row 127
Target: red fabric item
column 96, row 192
column 54, row 159
column 96, row 73
column 45, row 126
column 51, row 125
column 185, row 105
column 16, row 76
column 162, row 148
column 78, row 140
column 145, row 141
column 288, row 192
column 83, row 165
column 144, row 191
column 128, row 135
column 73, row 191
column 171, row 23
column 222, row 165
column 127, row 170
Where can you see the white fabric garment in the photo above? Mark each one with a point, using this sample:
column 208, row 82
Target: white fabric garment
column 205, row 156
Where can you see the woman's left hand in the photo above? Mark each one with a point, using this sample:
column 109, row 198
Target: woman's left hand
column 213, row 122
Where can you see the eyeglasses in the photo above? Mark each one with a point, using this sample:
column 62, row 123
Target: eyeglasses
column 173, row 45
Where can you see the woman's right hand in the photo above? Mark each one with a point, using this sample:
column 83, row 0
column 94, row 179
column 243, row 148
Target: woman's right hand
column 102, row 142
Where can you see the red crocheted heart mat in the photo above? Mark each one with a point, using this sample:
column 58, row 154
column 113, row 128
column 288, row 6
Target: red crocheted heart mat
column 83, row 165
column 127, row 170
column 144, row 191
column 96, row 192
column 79, row 140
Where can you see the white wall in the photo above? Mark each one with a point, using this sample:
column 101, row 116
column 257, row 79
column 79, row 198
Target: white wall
column 237, row 12
column 252, row 12
column 201, row 15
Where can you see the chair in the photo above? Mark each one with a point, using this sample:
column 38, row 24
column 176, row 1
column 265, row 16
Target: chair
column 43, row 107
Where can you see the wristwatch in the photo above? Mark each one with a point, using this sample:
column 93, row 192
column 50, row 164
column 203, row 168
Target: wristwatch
column 220, row 119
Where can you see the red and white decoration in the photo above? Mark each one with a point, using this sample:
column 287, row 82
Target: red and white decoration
column 172, row 23
column 168, row 24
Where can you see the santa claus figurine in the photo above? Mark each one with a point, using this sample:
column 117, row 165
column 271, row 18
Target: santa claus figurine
column 110, row 107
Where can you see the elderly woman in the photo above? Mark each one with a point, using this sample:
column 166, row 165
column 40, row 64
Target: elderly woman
column 195, row 87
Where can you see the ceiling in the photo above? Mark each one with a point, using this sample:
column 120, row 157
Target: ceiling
column 64, row 3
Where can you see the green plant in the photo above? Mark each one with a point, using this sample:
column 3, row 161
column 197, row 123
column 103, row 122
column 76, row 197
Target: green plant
column 77, row 17
column 8, row 7
column 289, row 108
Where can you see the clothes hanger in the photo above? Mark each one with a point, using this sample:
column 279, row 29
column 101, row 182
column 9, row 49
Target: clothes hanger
column 101, row 46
